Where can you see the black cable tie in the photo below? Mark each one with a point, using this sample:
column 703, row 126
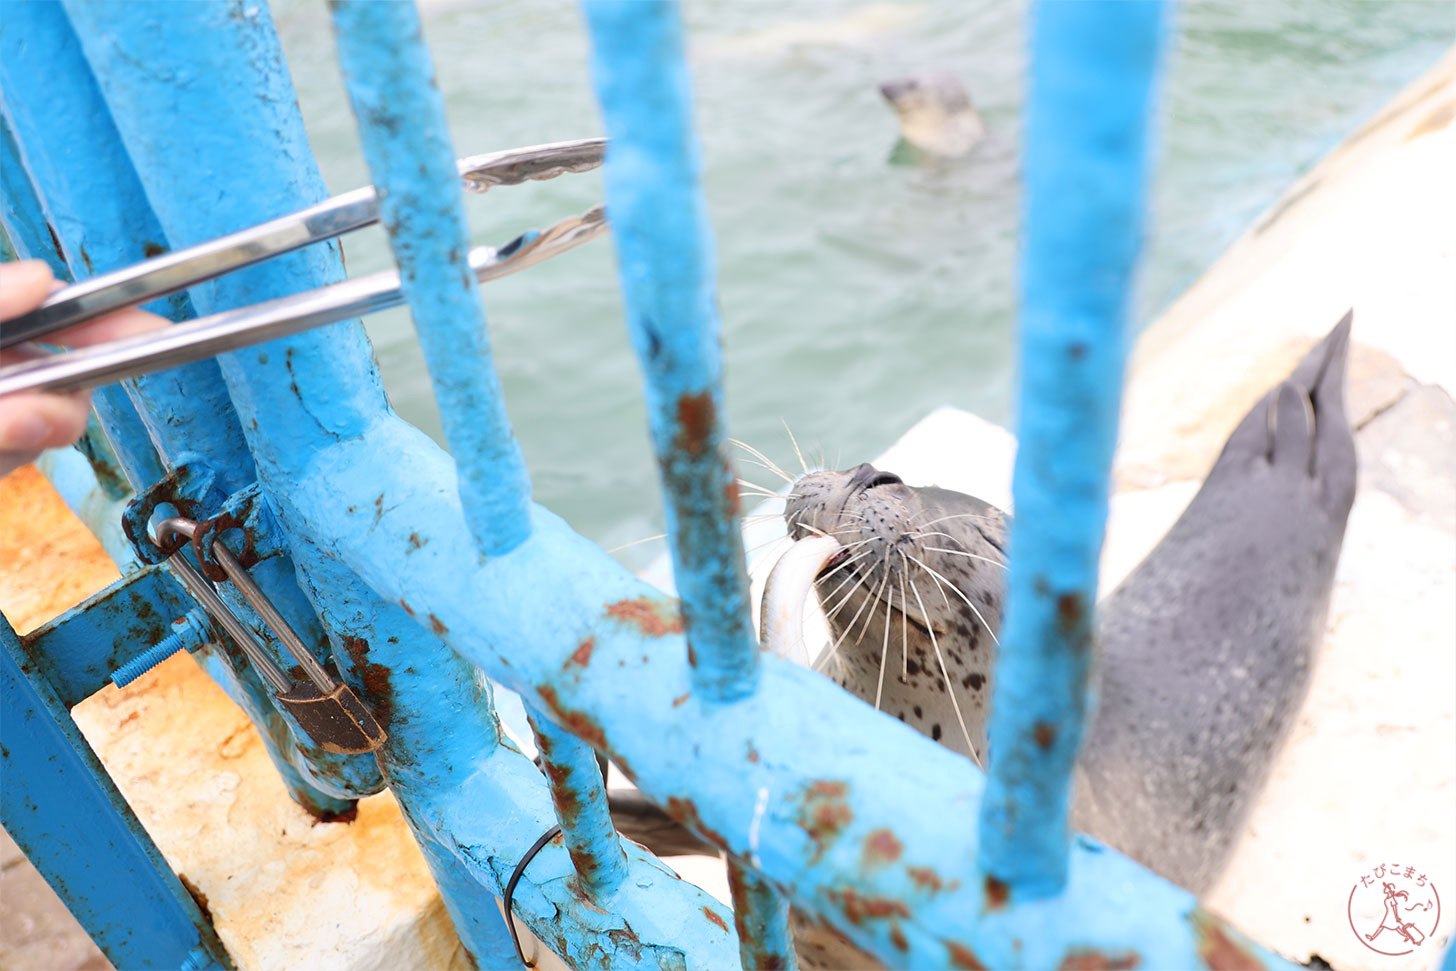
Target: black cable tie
column 510, row 893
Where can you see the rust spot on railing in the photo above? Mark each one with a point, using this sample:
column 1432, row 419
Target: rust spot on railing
column 438, row 626
column 581, row 657
column 715, row 919
column 963, row 957
column 378, row 690
column 579, row 723
column 926, row 878
column 1044, row 735
column 1072, row 618
column 415, row 542
column 323, row 817
column 859, row 908
column 997, row 893
column 695, row 418
column 681, row 699
column 685, row 811
column 1218, row 948
column 1090, row 960
column 653, row 616
column 197, row 896
column 730, row 494
column 825, row 813
column 898, row 938
column 881, row 847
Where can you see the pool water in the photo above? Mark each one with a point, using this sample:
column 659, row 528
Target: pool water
column 859, row 291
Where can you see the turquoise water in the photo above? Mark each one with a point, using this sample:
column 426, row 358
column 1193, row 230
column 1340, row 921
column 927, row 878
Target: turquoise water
column 857, row 293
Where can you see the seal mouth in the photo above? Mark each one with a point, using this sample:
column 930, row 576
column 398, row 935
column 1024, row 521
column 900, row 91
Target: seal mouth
column 831, row 564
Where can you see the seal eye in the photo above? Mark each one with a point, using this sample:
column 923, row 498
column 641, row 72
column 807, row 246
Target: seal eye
column 884, row 478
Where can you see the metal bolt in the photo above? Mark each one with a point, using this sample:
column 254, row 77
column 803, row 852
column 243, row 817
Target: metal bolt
column 192, row 633
column 197, row 959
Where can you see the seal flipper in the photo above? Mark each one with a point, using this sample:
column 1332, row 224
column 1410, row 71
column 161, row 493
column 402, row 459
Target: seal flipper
column 1334, row 447
column 1320, row 378
column 1207, row 647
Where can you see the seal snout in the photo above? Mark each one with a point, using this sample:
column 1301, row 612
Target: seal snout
column 893, row 91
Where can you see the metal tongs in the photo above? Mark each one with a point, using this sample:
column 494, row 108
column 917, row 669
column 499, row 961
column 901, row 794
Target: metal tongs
column 100, row 364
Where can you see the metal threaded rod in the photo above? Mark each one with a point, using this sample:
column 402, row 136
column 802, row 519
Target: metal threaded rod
column 192, row 632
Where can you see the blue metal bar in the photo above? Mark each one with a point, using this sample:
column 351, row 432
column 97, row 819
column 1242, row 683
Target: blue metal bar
column 20, row 211
column 406, row 141
column 761, row 918
column 875, row 860
column 103, row 219
column 1089, row 118
column 77, row 651
column 580, row 799
column 664, row 249
column 66, row 815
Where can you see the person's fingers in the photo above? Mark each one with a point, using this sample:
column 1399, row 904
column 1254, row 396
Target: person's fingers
column 23, row 286
column 30, row 422
column 114, row 326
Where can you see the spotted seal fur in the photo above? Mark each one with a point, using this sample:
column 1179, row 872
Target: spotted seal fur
column 917, row 584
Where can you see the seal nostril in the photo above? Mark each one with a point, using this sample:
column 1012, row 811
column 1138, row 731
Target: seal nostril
column 866, row 476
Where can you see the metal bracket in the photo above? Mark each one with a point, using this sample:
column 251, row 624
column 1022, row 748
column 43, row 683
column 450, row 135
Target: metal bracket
column 245, row 512
column 190, row 488
column 325, row 709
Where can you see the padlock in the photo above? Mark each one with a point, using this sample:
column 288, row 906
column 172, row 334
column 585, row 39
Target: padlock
column 327, row 710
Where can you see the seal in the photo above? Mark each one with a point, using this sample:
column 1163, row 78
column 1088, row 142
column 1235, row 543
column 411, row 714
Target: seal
column 1204, row 653
column 935, row 112
column 921, row 571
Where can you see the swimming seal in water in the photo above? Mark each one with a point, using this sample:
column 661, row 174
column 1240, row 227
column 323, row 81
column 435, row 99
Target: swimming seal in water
column 935, row 112
column 1204, row 652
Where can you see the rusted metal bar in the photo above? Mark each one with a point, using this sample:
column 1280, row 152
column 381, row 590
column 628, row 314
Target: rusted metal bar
column 761, row 917
column 406, row 142
column 578, row 793
column 1089, row 123
column 665, row 255
column 102, row 219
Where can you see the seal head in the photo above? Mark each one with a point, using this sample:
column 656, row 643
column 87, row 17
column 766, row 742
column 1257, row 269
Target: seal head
column 913, row 599
column 935, row 112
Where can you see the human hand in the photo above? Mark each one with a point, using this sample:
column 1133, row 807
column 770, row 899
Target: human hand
column 30, row 420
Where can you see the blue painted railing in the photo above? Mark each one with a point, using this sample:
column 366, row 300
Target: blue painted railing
column 412, row 571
